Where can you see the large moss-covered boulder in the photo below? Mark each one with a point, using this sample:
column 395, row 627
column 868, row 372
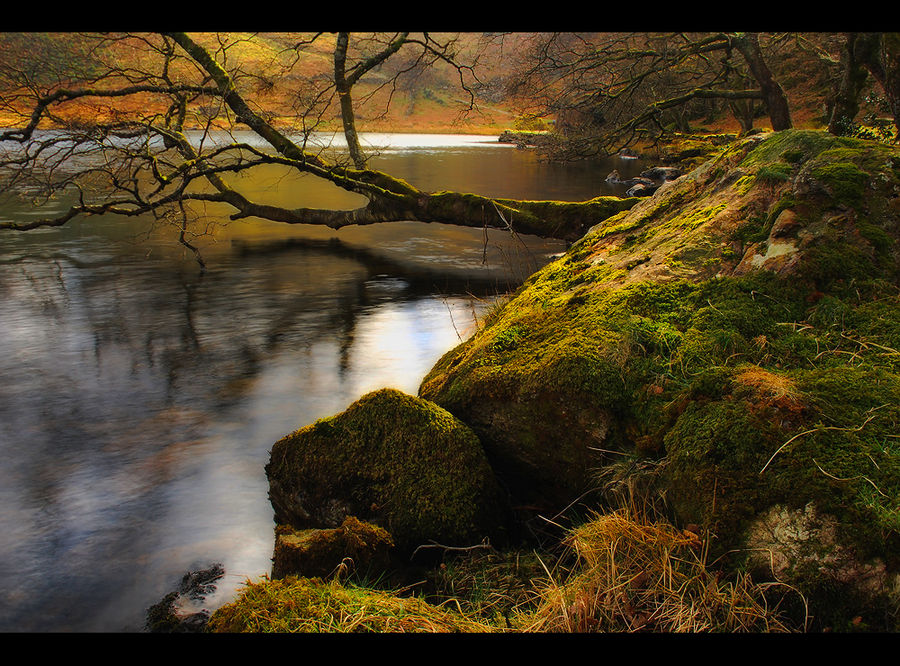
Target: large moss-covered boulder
column 735, row 338
column 393, row 459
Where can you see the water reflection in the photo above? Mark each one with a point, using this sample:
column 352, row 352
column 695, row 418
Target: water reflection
column 140, row 399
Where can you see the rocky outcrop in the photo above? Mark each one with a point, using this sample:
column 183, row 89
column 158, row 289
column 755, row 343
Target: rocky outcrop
column 733, row 339
column 730, row 344
column 181, row 611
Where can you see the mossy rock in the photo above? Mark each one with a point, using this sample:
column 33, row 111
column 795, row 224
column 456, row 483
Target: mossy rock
column 354, row 546
column 398, row 461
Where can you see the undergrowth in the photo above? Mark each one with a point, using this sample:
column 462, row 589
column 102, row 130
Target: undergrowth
column 618, row 572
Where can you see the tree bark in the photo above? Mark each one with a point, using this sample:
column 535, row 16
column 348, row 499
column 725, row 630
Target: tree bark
column 845, row 103
column 879, row 52
column 776, row 102
column 344, row 87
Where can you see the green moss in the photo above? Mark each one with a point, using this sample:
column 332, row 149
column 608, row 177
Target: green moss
column 754, row 230
column 774, row 173
column 727, row 458
column 744, row 184
column 793, row 156
column 804, row 144
column 695, row 218
column 392, row 459
column 304, row 605
column 320, row 552
column 877, row 237
column 846, row 181
column 509, row 338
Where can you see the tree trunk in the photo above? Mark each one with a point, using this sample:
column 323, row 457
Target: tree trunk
column 343, row 90
column 879, row 52
column 776, row 101
column 743, row 111
column 845, row 104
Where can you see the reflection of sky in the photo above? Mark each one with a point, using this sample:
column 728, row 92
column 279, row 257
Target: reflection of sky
column 394, row 342
column 137, row 415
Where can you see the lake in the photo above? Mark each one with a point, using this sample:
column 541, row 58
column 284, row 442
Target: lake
column 140, row 398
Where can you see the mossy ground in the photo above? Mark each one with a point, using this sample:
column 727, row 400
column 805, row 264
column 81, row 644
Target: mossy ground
column 309, row 605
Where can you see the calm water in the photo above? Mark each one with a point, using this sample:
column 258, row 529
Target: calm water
column 140, row 399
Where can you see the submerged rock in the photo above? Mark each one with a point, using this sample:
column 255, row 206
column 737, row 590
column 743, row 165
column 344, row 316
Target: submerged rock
column 662, row 173
column 393, row 459
column 178, row 612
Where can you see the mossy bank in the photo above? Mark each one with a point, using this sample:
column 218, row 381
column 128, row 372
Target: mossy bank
column 727, row 350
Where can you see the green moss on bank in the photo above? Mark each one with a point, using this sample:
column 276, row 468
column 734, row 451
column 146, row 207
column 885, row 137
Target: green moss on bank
column 757, row 375
column 305, row 605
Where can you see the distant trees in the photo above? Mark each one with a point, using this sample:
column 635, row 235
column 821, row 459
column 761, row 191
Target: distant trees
column 609, row 90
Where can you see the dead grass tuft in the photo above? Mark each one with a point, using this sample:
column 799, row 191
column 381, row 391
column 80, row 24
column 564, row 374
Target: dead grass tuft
column 634, row 574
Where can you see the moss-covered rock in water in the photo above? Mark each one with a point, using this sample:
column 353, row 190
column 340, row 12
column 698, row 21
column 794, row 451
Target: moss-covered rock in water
column 354, row 546
column 395, row 460
column 740, row 330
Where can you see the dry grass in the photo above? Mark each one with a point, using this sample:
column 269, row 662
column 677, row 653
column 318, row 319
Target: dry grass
column 630, row 574
column 633, row 574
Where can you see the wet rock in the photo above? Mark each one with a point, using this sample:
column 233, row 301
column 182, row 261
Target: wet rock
column 642, row 190
column 176, row 612
column 662, row 173
column 615, row 179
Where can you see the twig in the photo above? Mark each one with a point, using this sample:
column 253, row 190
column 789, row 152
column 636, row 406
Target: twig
column 819, row 429
column 874, row 344
column 454, row 549
column 852, row 478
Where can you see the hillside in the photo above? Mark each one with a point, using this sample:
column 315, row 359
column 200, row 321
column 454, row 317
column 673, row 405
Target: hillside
column 422, row 101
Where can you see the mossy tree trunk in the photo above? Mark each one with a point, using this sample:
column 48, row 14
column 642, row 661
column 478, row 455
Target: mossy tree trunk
column 344, row 87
